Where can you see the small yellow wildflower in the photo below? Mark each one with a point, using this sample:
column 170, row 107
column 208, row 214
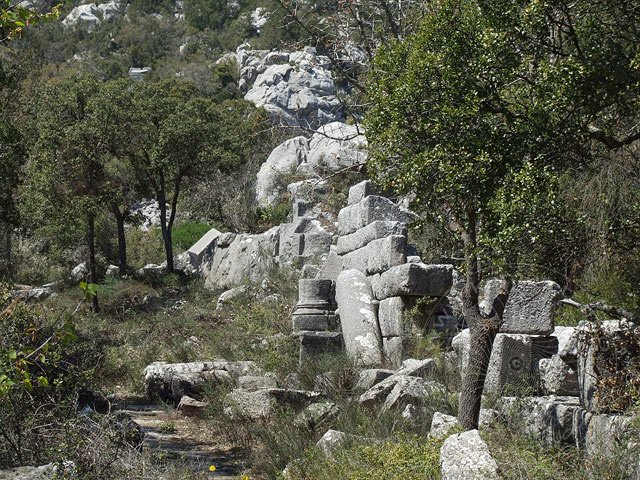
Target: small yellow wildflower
column 244, row 477
column 212, row 468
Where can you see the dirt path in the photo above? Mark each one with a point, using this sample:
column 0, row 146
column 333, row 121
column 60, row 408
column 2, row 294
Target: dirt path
column 184, row 439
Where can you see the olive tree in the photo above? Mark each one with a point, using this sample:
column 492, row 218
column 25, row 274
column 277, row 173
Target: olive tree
column 484, row 112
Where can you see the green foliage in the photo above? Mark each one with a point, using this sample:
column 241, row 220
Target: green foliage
column 273, row 215
column 210, row 14
column 479, row 117
column 188, row 233
column 408, row 457
column 14, row 18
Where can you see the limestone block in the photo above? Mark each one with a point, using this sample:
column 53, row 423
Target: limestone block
column 368, row 210
column 460, row 344
column 549, row 418
column 465, row 456
column 557, row 377
column 204, row 246
column 257, row 382
column 392, row 348
column 331, row 267
column 373, row 231
column 441, row 424
column 315, row 292
column 530, row 308
column 372, row 376
column 359, row 319
column 359, row 191
column 314, row 343
column 592, row 351
column 513, row 365
column 391, row 316
column 262, row 404
column 414, row 279
column 331, row 441
column 425, row 368
column 377, row 256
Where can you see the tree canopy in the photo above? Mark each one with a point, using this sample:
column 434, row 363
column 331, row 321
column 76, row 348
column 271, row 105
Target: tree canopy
column 485, row 113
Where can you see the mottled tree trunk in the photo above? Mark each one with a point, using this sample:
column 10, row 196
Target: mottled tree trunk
column 93, row 271
column 122, row 241
column 166, row 232
column 482, row 330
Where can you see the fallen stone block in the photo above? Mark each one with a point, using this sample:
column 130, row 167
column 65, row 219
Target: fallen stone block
column 425, row 368
column 331, row 441
column 530, row 308
column 372, row 376
column 204, row 246
column 465, row 456
column 358, row 319
column 257, row 382
column 378, row 256
column 364, row 236
column 414, row 279
column 262, row 404
column 549, row 418
column 442, row 424
column 316, row 415
column 191, row 407
column 399, row 390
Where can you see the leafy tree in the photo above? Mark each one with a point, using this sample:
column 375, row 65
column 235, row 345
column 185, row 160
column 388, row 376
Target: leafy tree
column 14, row 18
column 203, row 14
column 485, row 112
column 65, row 179
column 12, row 154
column 180, row 136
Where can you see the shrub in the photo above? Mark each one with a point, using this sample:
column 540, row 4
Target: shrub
column 188, row 233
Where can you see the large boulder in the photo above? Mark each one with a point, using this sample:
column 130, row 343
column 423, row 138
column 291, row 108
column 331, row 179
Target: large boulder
column 465, row 456
column 300, row 92
column 358, row 317
column 83, row 16
column 240, row 258
column 282, row 162
column 334, row 146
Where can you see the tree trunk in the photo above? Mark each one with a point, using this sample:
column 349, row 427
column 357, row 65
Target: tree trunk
column 8, row 247
column 92, row 261
column 122, row 241
column 482, row 330
column 166, row 233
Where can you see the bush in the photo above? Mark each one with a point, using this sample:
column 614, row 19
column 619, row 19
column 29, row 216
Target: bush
column 188, row 233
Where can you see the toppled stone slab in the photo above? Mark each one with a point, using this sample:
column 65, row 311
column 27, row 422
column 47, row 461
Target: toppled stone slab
column 373, row 231
column 442, row 424
column 317, row 414
column 372, row 376
column 358, row 318
column 377, row 256
column 399, row 390
column 414, row 279
column 425, row 368
column 530, row 308
column 261, row 404
column 257, row 382
column 369, row 210
column 549, row 418
column 465, row 456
